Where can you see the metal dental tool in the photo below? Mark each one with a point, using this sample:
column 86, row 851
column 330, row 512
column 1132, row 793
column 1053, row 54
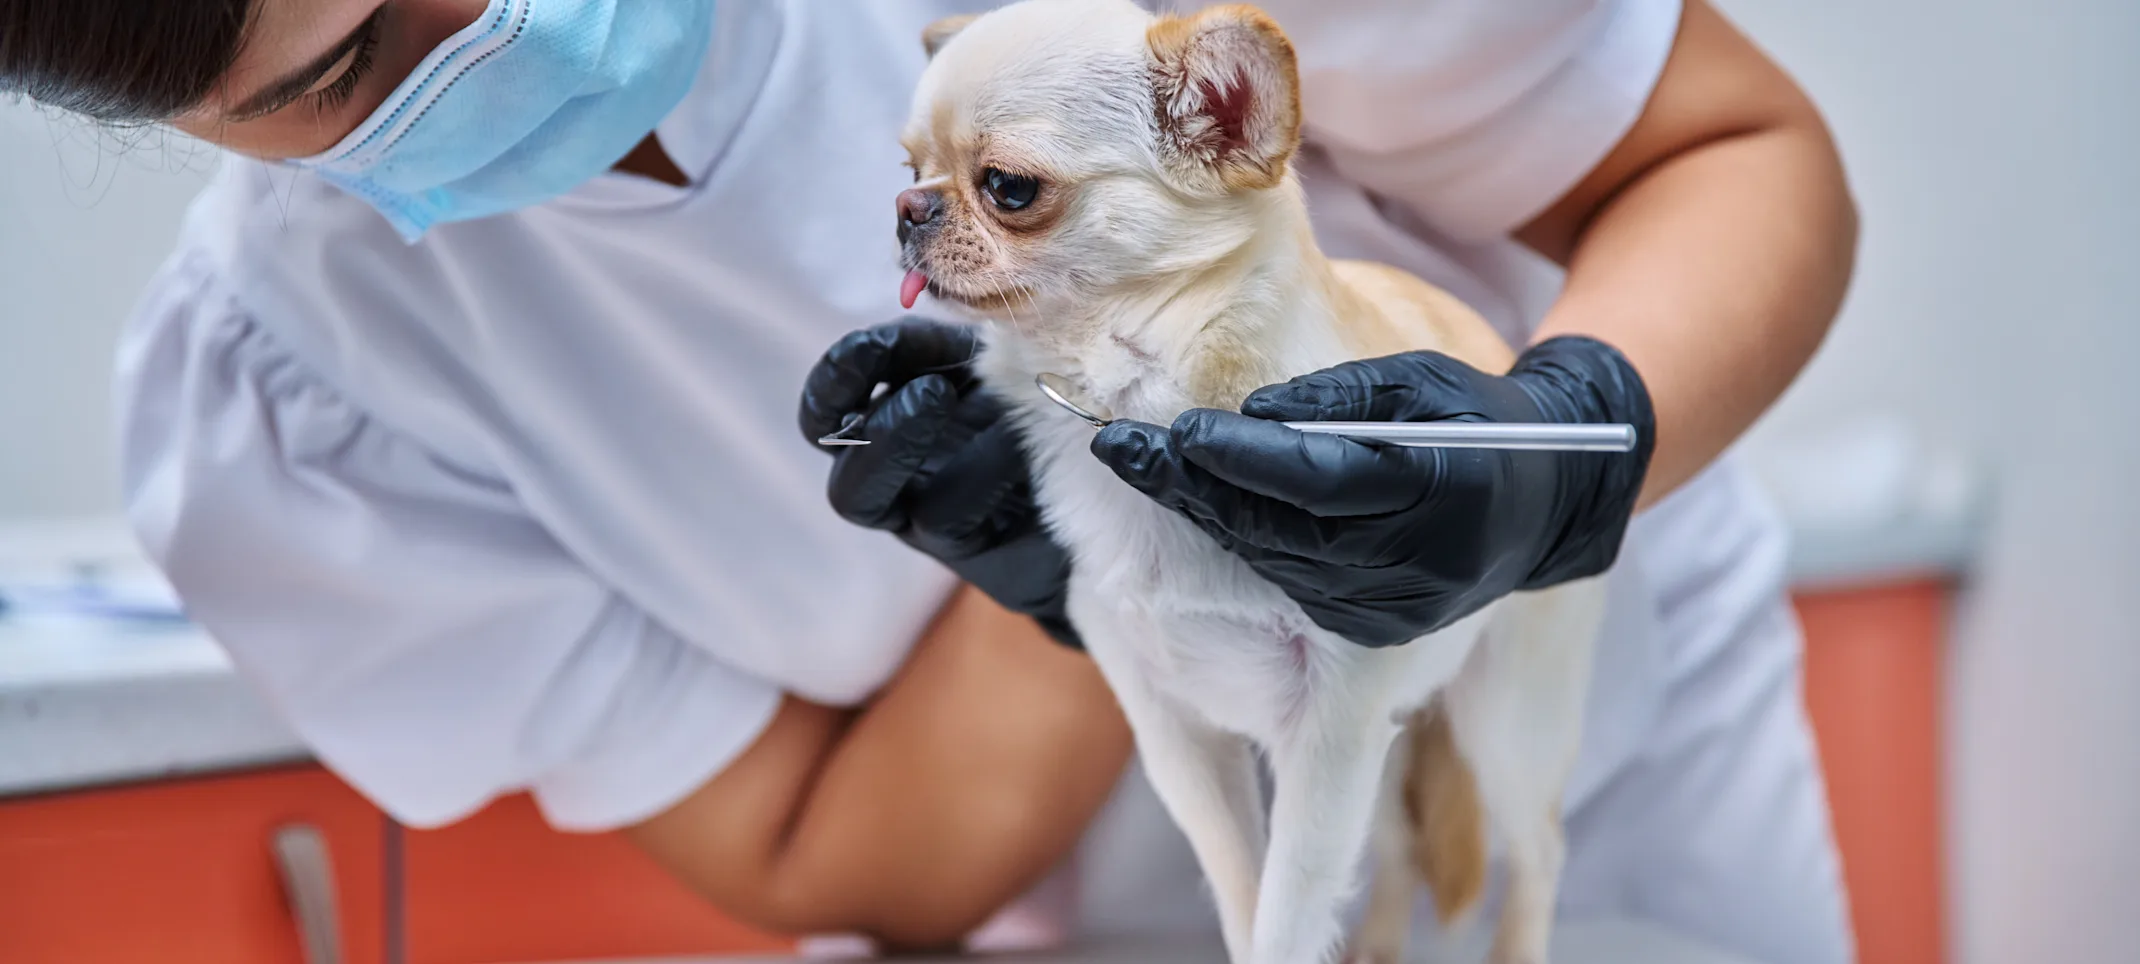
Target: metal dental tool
column 1529, row 436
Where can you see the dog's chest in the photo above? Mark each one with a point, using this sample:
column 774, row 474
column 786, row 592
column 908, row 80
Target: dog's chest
column 1158, row 597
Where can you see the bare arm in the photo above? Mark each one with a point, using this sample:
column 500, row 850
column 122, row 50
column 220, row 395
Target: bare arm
column 1712, row 246
column 915, row 819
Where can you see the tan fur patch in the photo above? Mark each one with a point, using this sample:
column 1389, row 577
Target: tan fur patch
column 1383, row 311
column 1441, row 796
column 936, row 35
column 1228, row 367
column 1169, row 38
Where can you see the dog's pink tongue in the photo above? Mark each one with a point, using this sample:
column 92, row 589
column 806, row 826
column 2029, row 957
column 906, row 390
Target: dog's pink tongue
column 910, row 288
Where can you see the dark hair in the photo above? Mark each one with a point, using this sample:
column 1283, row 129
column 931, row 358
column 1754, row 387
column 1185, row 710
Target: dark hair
column 119, row 61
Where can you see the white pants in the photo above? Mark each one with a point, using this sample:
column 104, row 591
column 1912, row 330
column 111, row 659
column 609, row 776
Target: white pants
column 1719, row 830
column 1714, row 826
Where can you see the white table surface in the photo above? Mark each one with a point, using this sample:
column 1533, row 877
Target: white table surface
column 87, row 701
column 1576, row 942
column 84, row 702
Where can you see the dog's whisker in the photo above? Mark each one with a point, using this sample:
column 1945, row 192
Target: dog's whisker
column 1010, row 309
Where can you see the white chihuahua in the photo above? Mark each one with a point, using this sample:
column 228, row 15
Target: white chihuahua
column 1114, row 188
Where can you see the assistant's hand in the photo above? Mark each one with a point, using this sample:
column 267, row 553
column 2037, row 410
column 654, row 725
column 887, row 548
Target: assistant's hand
column 1382, row 544
column 943, row 470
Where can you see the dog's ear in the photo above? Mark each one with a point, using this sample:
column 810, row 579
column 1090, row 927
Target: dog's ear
column 1228, row 95
column 936, row 35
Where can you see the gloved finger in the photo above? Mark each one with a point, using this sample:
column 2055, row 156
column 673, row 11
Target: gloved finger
column 1326, row 475
column 842, row 381
column 1412, row 386
column 868, row 480
column 956, row 507
column 1143, row 455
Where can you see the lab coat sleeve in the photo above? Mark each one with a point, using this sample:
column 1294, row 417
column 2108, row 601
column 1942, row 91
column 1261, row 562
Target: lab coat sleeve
column 432, row 644
column 1474, row 115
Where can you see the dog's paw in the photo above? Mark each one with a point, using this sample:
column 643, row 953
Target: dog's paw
column 1374, row 953
column 1502, row 954
column 835, row 947
column 1018, row 930
column 1037, row 921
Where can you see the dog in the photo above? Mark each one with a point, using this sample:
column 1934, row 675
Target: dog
column 1111, row 191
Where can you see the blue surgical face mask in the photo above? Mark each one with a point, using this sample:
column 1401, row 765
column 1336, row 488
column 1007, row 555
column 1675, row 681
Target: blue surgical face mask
column 530, row 101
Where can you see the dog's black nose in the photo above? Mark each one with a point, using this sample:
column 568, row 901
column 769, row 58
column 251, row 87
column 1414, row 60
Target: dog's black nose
column 916, row 208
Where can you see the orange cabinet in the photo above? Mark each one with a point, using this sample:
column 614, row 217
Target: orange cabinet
column 1874, row 667
column 503, row 886
column 184, row 872
column 197, row 871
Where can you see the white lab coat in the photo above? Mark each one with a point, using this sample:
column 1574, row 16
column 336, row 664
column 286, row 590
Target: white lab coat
column 523, row 506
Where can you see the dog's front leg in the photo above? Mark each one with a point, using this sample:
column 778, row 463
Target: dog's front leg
column 1206, row 779
column 1329, row 780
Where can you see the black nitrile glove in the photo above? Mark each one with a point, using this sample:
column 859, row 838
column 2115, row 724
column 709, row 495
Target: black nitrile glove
column 943, row 470
column 1383, row 544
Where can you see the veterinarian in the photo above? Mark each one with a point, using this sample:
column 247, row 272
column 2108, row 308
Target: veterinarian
column 463, row 417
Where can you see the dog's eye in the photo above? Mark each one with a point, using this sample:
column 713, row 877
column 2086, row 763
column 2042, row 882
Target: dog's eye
column 1009, row 191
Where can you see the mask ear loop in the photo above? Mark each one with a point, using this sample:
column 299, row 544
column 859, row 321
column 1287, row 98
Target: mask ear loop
column 500, row 26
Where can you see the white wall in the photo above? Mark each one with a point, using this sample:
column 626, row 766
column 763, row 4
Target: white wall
column 83, row 221
column 1994, row 147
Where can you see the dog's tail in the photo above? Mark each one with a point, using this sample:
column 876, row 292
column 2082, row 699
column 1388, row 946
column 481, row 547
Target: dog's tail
column 1448, row 823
